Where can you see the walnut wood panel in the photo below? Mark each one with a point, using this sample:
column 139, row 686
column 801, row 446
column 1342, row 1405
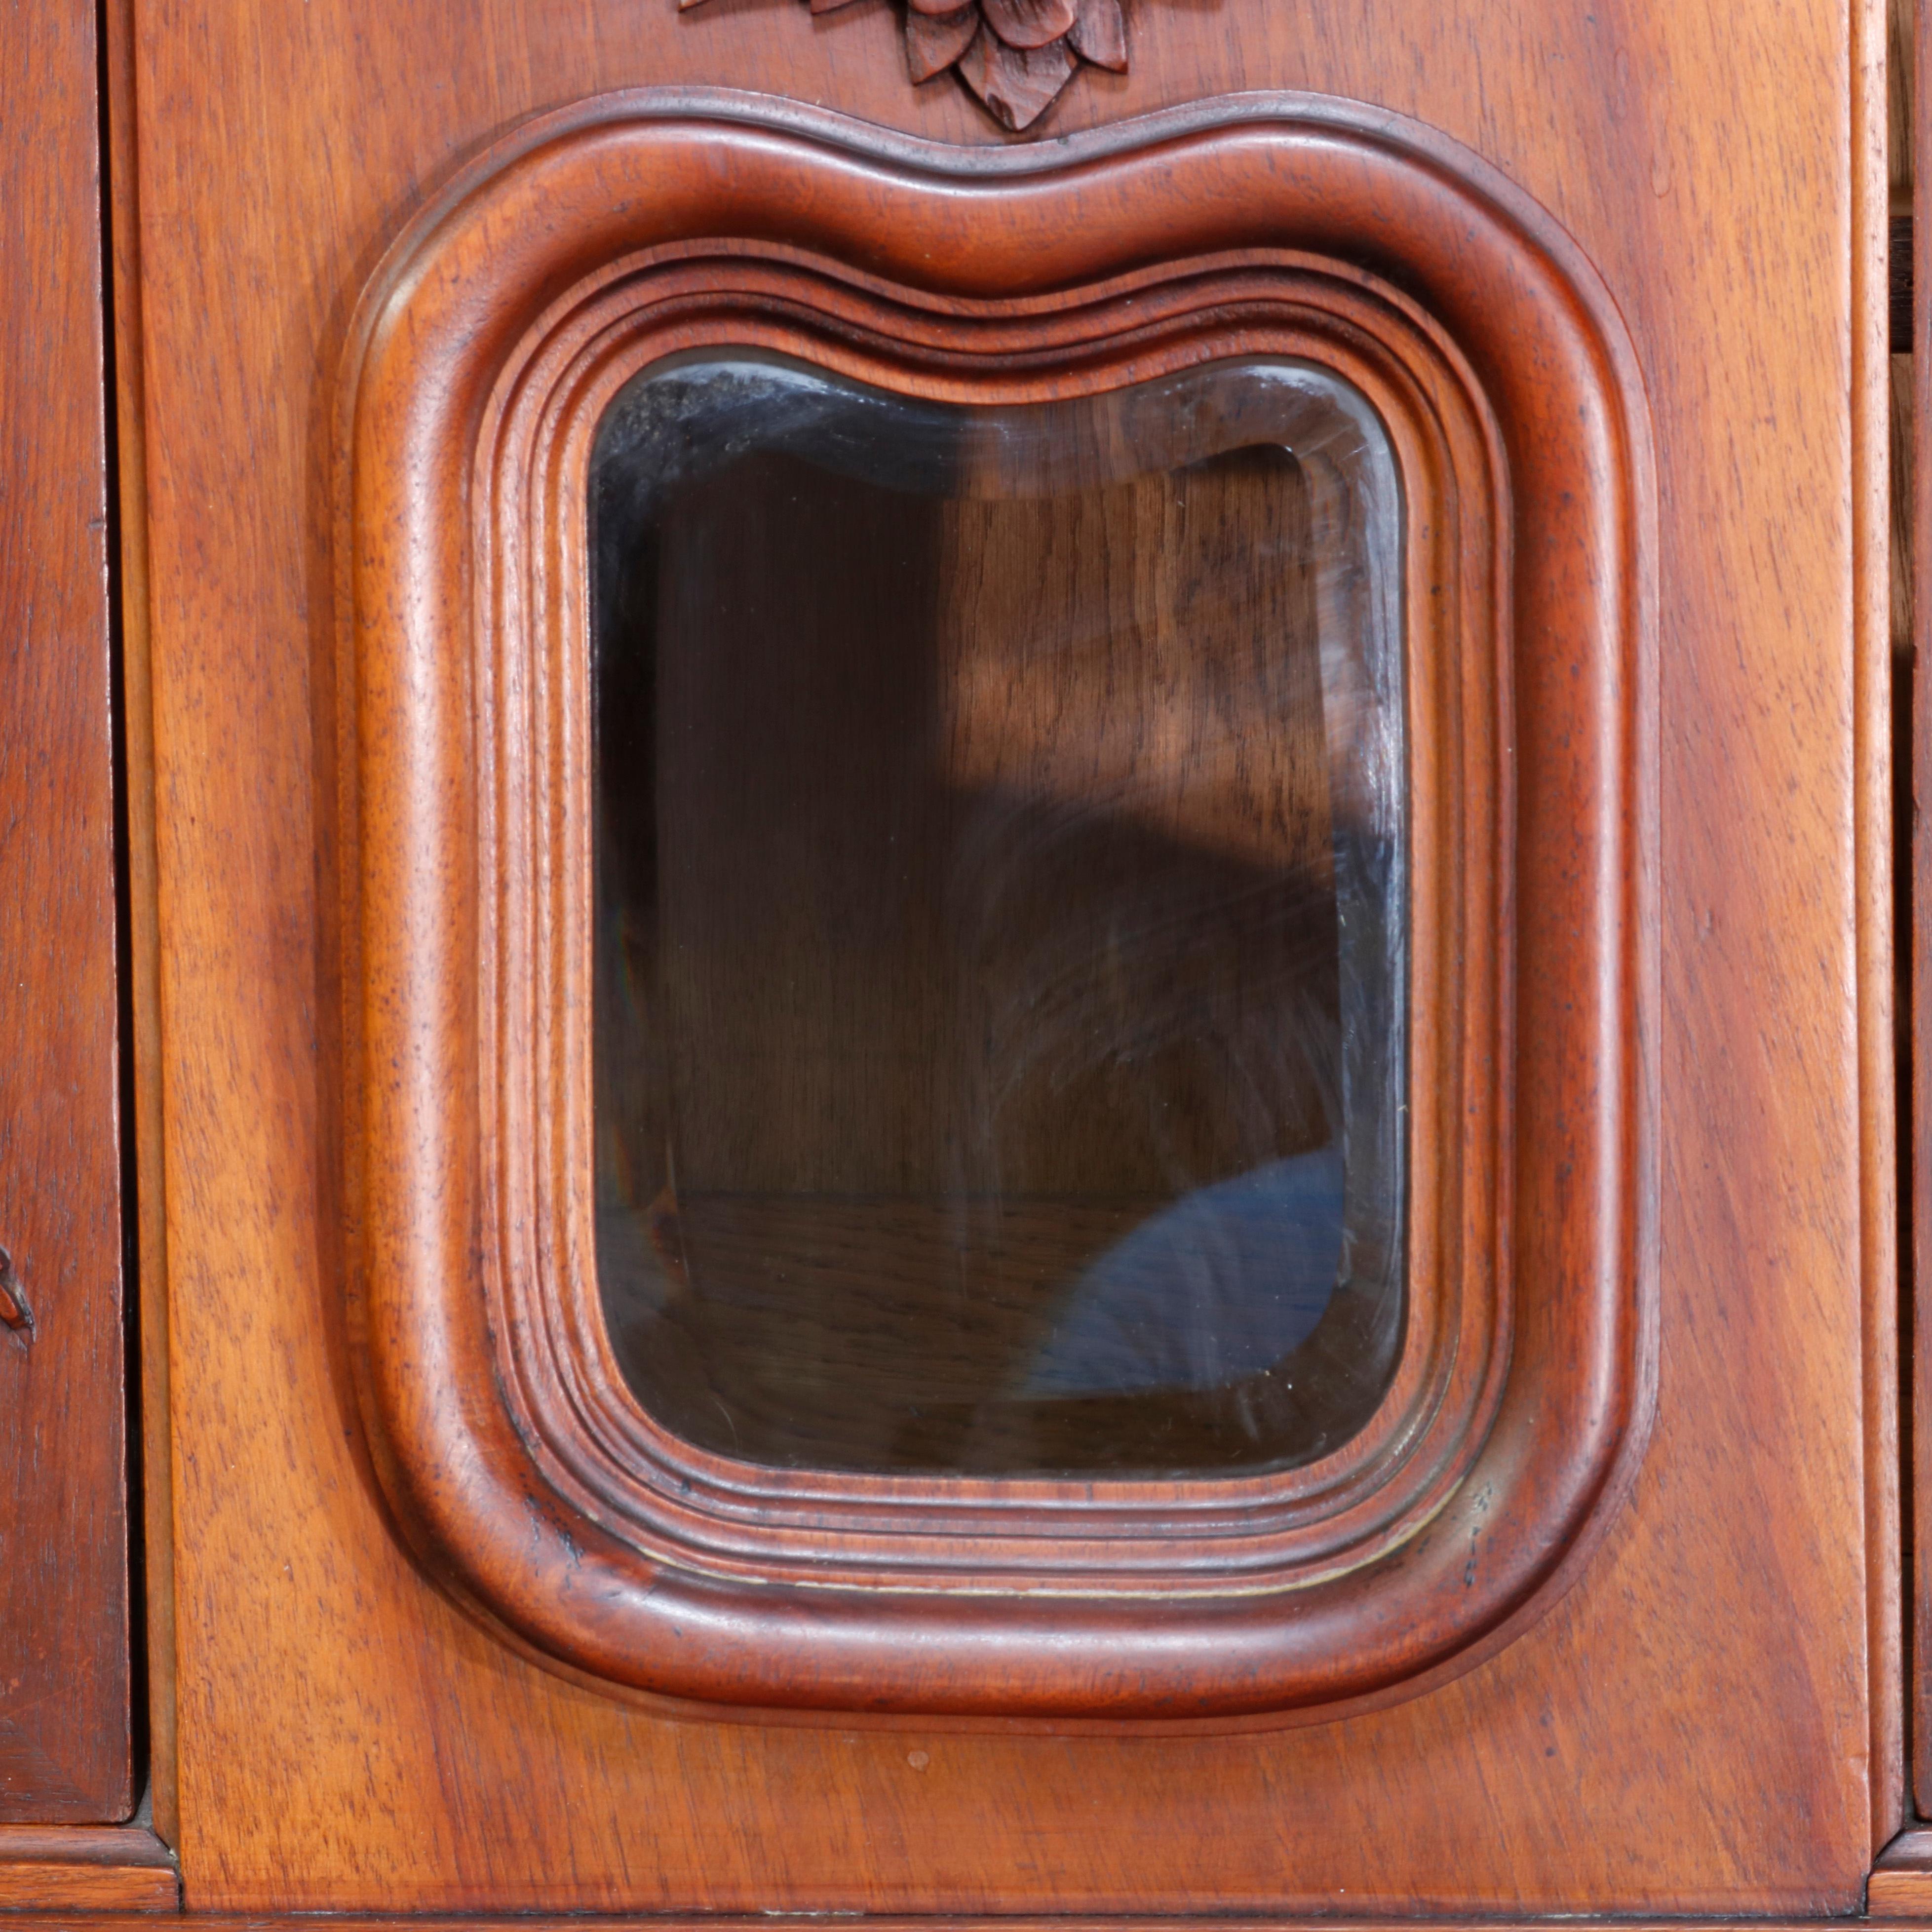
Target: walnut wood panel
column 222, row 1922
column 348, row 1738
column 80, row 1868
column 587, row 1526
column 64, row 1634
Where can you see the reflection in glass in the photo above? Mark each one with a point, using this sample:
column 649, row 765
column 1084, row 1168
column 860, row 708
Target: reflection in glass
column 1000, row 891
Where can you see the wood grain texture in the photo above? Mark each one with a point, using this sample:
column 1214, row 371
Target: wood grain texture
column 1921, row 1005
column 1900, row 1885
column 65, row 1753
column 1015, row 55
column 1899, row 574
column 349, row 1738
column 1514, row 409
column 82, row 1869
column 224, row 1921
column 1874, row 733
column 1900, row 84
column 142, row 966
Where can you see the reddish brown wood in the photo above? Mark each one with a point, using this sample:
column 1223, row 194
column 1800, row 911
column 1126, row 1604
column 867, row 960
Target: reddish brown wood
column 1901, row 1885
column 1470, row 1492
column 1921, row 979
column 1016, row 56
column 934, row 41
column 63, row 1635
column 1876, row 972
column 142, row 962
column 350, row 1739
column 78, row 1868
column 222, row 1922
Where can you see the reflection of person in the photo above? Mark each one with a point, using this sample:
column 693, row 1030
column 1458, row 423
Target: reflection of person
column 1218, row 1287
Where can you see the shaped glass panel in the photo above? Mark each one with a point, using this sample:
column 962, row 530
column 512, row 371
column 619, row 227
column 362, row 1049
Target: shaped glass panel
column 1000, row 920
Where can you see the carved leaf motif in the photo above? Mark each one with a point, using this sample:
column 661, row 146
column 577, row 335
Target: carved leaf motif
column 1027, row 25
column 1015, row 55
column 934, row 41
column 1018, row 84
column 1100, row 34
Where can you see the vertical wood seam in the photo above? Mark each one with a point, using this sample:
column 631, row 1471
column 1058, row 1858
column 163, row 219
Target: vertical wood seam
column 156, row 1501
column 1871, row 424
column 1922, row 941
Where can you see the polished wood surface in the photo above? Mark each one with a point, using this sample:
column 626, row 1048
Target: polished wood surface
column 64, row 1740
column 1920, row 613
column 1874, row 734
column 1901, row 1885
column 1015, row 55
column 142, row 1128
column 85, row 1869
column 1507, row 1440
column 349, row 1738
column 32, row 1921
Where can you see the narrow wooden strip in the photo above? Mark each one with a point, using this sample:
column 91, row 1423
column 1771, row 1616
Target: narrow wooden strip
column 1900, row 23
column 1899, row 265
column 1901, row 1885
column 1872, row 736
column 144, row 957
column 1902, row 439
column 89, row 1844
column 1920, row 996
column 64, row 1743
column 50, row 1885
column 105, row 1868
column 225, row 1921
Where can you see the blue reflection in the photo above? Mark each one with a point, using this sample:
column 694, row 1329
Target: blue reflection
column 1218, row 1287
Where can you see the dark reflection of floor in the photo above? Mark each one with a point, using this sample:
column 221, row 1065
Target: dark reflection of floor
column 880, row 1333
column 827, row 1319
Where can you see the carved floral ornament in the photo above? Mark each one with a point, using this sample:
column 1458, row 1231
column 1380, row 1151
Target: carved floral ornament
column 1015, row 55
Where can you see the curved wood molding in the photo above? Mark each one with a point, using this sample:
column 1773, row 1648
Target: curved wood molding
column 529, row 1479
column 85, row 1869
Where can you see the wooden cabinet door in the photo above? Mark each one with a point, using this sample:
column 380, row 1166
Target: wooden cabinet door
column 857, row 716
column 65, row 1754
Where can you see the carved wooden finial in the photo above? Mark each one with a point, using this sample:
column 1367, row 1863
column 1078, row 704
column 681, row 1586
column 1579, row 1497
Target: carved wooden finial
column 1015, row 55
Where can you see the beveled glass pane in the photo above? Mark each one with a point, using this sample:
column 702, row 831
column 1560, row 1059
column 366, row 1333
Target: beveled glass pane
column 1001, row 912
